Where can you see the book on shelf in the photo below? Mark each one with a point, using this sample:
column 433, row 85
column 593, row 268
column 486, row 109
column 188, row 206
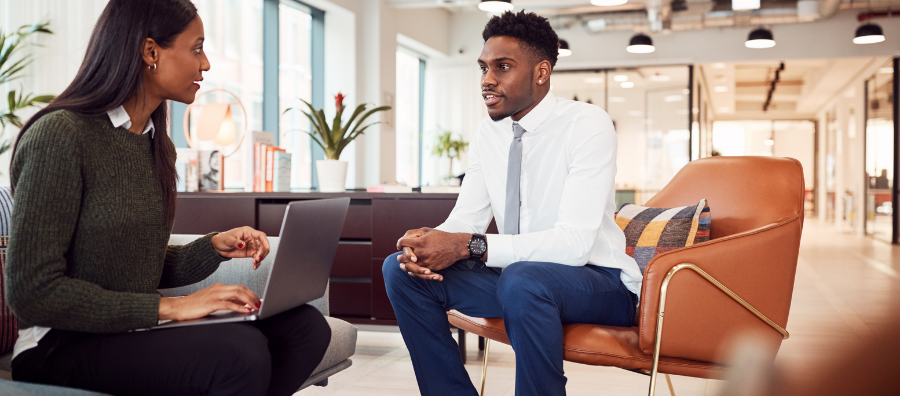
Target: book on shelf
column 187, row 168
column 282, row 173
column 441, row 189
column 252, row 157
column 270, row 166
column 389, row 188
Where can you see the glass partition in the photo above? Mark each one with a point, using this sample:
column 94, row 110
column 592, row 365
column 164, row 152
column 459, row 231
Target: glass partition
column 650, row 110
column 880, row 153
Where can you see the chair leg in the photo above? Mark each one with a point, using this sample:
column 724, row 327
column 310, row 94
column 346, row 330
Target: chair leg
column 461, row 337
column 671, row 388
column 487, row 350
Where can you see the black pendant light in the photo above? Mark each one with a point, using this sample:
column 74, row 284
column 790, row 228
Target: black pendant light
column 760, row 38
column 869, row 33
column 640, row 44
column 564, row 48
column 495, row 5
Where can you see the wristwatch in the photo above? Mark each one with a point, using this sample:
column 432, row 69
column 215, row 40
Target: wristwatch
column 477, row 247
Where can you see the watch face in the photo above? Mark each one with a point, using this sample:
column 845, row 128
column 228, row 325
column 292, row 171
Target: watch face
column 478, row 246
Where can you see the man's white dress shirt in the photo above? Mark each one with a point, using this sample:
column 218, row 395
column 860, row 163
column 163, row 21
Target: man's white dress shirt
column 567, row 190
column 28, row 338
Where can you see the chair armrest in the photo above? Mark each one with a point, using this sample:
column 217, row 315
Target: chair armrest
column 237, row 272
column 757, row 265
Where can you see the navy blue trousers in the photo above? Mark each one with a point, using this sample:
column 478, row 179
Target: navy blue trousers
column 534, row 299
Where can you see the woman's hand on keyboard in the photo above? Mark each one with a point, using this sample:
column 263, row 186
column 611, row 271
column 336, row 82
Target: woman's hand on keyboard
column 237, row 298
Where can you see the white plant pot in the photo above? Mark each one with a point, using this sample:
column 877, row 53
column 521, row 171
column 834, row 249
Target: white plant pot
column 332, row 175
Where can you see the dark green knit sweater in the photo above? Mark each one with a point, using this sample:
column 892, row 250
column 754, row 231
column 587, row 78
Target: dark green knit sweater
column 88, row 237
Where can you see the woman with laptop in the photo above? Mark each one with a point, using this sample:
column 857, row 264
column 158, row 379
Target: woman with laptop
column 93, row 178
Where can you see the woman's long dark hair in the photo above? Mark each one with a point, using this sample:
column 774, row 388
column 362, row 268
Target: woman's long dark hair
column 112, row 71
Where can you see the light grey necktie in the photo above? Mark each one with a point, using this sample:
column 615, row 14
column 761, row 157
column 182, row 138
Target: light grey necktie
column 513, row 173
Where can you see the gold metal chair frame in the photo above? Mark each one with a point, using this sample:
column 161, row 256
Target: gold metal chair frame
column 659, row 323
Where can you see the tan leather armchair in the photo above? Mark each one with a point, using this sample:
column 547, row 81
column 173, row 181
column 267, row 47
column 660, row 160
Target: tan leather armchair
column 738, row 282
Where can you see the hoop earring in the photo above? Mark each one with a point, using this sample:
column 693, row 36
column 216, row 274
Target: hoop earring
column 152, row 67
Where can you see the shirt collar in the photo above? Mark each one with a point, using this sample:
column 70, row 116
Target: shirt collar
column 539, row 113
column 120, row 118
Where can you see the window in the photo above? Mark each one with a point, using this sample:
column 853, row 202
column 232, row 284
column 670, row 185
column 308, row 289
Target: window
column 409, row 100
column 295, row 83
column 235, row 52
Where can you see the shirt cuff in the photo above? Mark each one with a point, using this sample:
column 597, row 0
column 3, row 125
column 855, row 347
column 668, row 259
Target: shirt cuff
column 500, row 250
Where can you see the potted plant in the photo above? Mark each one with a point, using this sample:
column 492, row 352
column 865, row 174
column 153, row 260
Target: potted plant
column 447, row 145
column 334, row 138
column 10, row 69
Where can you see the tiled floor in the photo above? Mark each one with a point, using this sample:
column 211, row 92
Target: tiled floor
column 844, row 288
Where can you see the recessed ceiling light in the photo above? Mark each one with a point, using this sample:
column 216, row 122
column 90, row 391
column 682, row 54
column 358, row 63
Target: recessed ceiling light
column 620, row 78
column 660, row 77
column 673, row 98
column 640, row 44
column 760, row 38
column 608, row 3
column 627, row 84
column 886, row 70
column 769, row 142
column 869, row 33
column 594, row 80
column 720, row 88
column 724, row 109
column 495, row 5
column 685, row 91
column 738, row 5
column 718, row 65
column 616, row 99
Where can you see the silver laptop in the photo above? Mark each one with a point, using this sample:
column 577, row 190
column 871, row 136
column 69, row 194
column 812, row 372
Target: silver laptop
column 309, row 238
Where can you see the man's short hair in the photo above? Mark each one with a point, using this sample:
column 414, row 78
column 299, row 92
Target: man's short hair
column 533, row 32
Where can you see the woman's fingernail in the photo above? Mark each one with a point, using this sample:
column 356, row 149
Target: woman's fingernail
column 249, row 309
column 240, row 245
column 427, row 272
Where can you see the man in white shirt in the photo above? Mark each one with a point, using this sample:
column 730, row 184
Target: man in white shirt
column 544, row 169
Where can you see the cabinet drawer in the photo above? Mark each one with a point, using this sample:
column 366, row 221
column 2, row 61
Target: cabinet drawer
column 358, row 224
column 353, row 260
column 393, row 217
column 350, row 299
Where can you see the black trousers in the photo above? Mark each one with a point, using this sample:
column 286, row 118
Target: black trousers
column 273, row 356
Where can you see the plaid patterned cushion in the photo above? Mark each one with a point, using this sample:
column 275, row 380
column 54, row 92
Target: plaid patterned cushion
column 651, row 231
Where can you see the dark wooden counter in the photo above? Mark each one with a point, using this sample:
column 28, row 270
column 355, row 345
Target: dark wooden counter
column 374, row 223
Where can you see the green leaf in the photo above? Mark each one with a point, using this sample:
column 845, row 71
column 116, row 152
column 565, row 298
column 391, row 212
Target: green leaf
column 43, row 98
column 367, row 114
column 357, row 112
column 355, row 135
column 336, row 126
column 315, row 139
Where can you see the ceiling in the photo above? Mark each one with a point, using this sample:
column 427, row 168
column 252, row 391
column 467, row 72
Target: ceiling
column 740, row 90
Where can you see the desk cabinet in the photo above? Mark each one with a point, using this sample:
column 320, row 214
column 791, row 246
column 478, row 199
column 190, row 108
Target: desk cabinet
column 373, row 225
